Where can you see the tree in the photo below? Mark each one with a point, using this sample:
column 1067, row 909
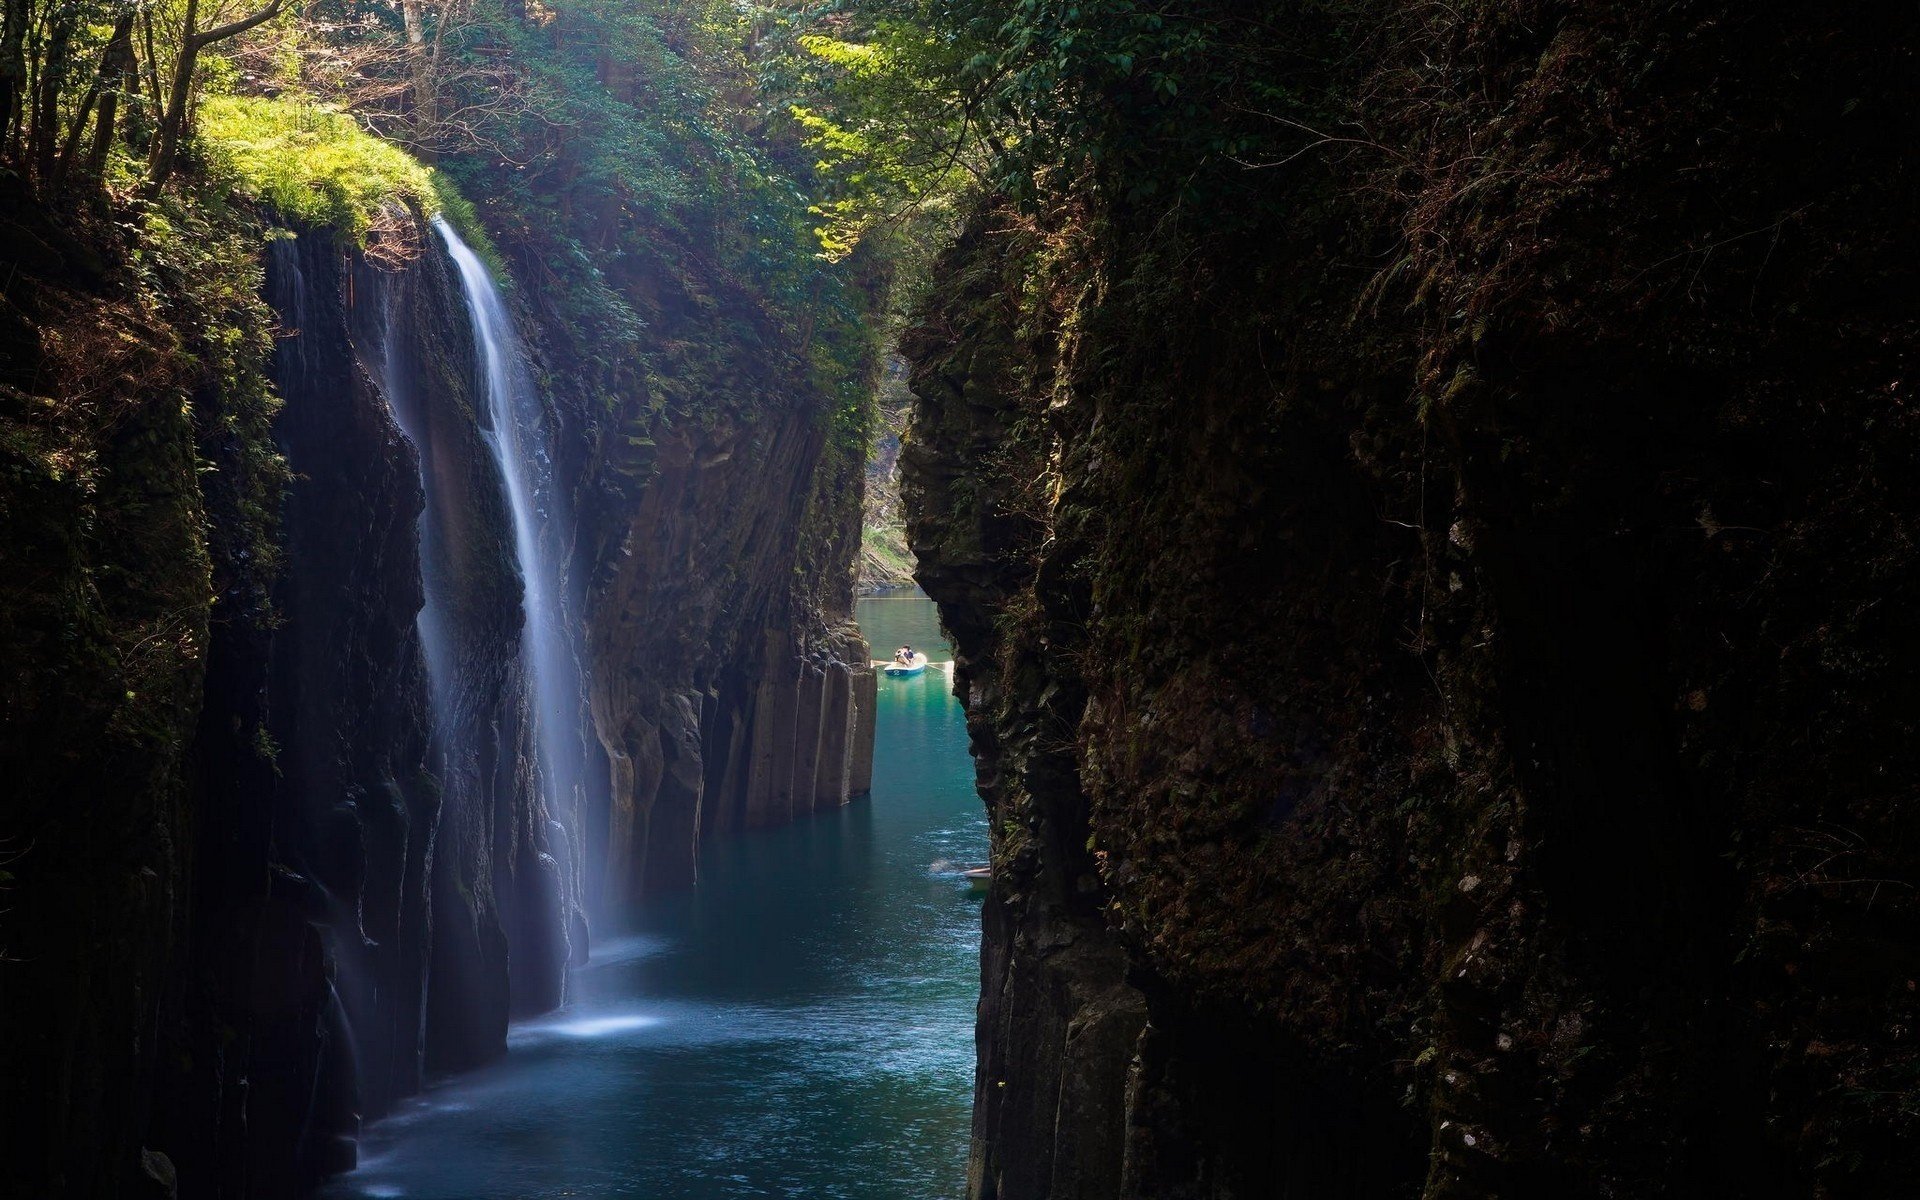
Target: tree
column 889, row 98
column 193, row 39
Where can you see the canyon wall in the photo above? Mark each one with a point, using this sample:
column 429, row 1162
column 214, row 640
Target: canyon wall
column 718, row 523
column 375, row 887
column 315, row 799
column 306, row 861
column 726, row 693
column 104, row 627
column 1433, row 612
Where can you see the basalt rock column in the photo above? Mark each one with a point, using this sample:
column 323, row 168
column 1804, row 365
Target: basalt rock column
column 725, row 681
column 307, row 971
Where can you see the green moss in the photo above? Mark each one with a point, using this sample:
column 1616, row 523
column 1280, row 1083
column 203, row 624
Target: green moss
column 316, row 166
column 198, row 267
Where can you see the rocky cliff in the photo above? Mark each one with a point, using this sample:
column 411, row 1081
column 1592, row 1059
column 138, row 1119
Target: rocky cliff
column 885, row 561
column 315, row 803
column 375, row 887
column 726, row 695
column 718, row 519
column 105, row 623
column 1434, row 630
column 277, row 850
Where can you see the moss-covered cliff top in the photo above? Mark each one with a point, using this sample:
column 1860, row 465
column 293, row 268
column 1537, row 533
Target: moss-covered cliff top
column 315, row 166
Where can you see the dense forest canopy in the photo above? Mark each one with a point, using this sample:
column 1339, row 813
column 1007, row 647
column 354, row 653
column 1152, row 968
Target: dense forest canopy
column 855, row 115
column 627, row 124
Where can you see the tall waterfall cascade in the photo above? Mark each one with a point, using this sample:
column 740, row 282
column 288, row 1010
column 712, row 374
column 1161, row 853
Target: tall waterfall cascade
column 518, row 432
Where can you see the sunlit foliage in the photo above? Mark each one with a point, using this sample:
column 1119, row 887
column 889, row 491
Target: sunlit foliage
column 883, row 108
column 313, row 165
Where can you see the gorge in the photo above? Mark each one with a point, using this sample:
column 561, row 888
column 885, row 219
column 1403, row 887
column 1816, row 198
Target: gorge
column 398, row 789
column 1415, row 505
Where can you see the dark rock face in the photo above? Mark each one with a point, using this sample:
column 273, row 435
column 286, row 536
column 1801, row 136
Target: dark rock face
column 353, row 906
column 726, row 696
column 105, row 574
column 1444, row 745
column 716, row 546
column 305, row 861
column 503, row 907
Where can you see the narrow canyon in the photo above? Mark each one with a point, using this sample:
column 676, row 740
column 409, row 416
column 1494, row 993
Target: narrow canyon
column 1397, row 522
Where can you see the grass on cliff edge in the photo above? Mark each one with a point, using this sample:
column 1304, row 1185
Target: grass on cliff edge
column 317, row 167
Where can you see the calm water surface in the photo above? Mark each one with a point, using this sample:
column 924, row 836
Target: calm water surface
column 801, row 1024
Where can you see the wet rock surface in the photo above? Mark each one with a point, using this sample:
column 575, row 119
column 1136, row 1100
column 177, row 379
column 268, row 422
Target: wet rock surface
column 361, row 866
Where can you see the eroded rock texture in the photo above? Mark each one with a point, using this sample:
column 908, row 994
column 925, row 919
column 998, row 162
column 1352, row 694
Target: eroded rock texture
column 718, row 520
column 727, row 696
column 1437, row 638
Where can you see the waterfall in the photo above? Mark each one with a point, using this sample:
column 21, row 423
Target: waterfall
column 518, row 435
column 433, row 622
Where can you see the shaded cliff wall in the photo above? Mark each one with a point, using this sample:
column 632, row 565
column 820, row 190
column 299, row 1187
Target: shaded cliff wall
column 374, row 890
column 717, row 493
column 117, row 384
column 726, row 694
column 1432, row 635
column 312, row 765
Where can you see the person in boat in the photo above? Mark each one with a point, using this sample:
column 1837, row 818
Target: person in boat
column 904, row 656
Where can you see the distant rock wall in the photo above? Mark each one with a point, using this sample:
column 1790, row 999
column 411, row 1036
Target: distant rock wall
column 718, row 532
column 726, row 696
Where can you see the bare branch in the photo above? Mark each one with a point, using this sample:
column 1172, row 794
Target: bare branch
column 221, row 33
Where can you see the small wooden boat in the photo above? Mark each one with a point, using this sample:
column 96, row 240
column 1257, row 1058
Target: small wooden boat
column 914, row 667
column 978, row 878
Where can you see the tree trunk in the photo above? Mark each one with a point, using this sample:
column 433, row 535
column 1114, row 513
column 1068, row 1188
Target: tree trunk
column 166, row 146
column 166, row 139
column 119, row 71
column 13, row 72
column 43, row 138
column 420, row 61
column 108, row 79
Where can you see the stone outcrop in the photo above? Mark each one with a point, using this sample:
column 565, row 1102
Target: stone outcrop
column 1428, row 629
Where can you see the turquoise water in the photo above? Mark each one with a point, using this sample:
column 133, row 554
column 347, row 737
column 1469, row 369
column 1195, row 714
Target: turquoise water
column 799, row 1025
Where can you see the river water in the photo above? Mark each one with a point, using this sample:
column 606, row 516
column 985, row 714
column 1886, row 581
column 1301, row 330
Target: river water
column 798, row 1025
